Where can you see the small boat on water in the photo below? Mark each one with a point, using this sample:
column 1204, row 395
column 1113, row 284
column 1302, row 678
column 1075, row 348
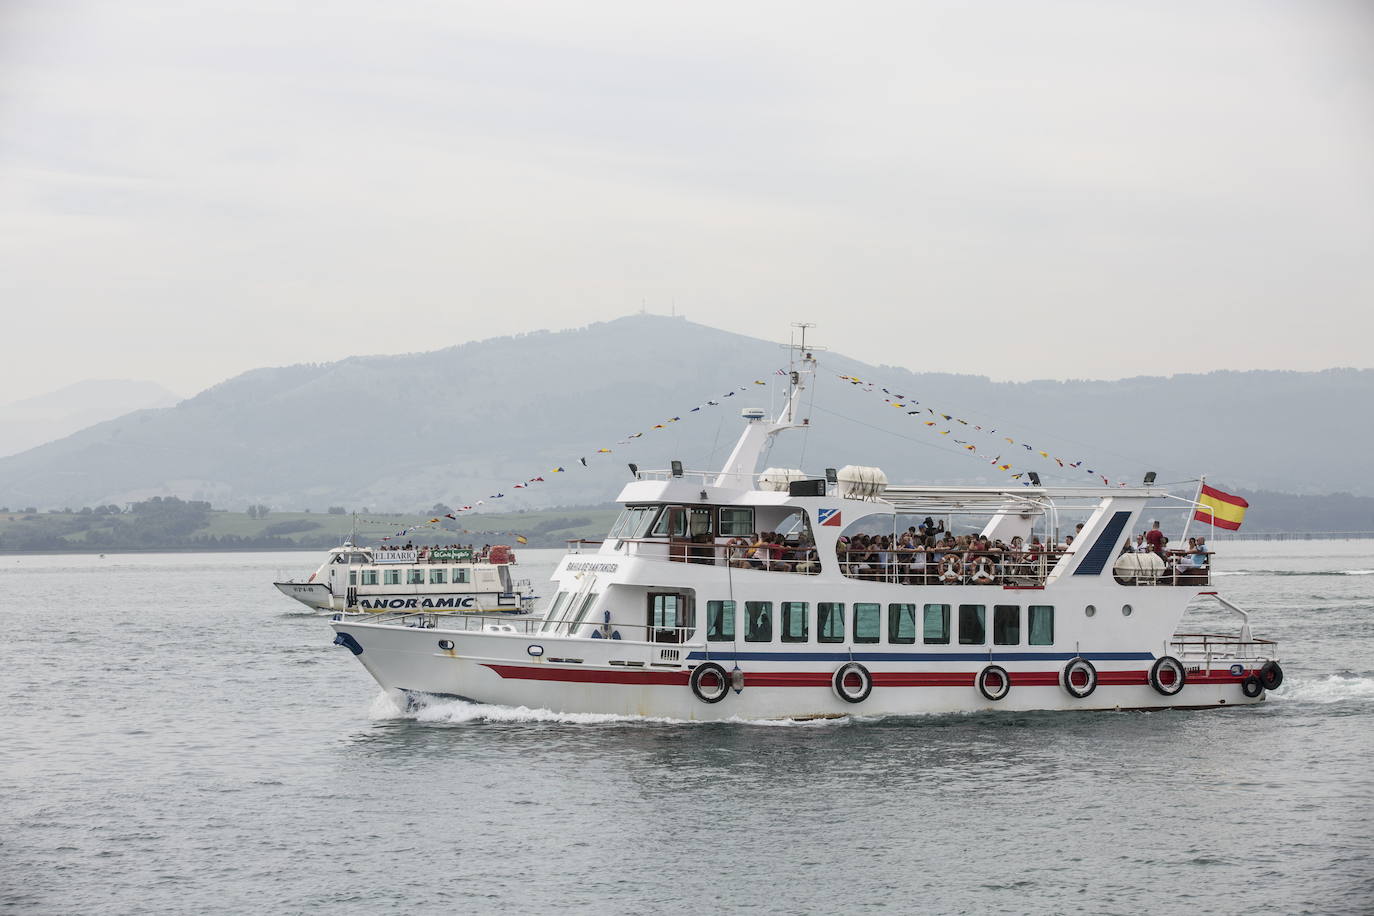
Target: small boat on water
column 434, row 579
column 728, row 594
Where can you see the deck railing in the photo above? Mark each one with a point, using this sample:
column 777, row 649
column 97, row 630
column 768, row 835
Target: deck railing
column 792, row 558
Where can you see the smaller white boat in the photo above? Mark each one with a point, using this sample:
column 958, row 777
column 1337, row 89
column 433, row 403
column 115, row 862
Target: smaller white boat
column 458, row 579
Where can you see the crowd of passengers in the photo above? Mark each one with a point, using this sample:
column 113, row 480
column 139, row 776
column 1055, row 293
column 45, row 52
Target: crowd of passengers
column 770, row 550
column 930, row 554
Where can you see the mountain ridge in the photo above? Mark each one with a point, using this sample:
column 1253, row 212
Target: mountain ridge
column 463, row 422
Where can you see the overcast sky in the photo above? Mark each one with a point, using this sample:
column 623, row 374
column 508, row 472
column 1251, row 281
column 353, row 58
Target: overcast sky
column 190, row 189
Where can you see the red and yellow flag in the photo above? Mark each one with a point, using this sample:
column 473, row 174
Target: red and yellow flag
column 1221, row 510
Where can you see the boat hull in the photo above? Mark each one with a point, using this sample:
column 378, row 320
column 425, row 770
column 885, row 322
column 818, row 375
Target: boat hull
column 497, row 668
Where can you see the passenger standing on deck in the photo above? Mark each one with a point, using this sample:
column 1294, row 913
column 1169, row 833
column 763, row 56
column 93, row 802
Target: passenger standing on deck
column 1154, row 538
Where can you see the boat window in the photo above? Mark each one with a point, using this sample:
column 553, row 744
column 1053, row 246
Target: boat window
column 369, row 577
column 437, row 576
column 551, row 618
column 415, row 577
column 829, row 622
column 935, row 625
column 699, row 521
column 901, row 623
column 1041, row 625
column 671, row 523
column 352, row 577
column 720, row 621
column 868, row 622
column 1006, row 625
column 665, row 616
column 973, row 625
column 393, row 577
column 460, row 577
column 582, row 611
column 794, row 621
column 758, row 621
column 736, row 521
column 633, row 522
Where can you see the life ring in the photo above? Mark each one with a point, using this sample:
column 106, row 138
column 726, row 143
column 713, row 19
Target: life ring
column 1080, row 666
column 994, row 682
column 1251, row 686
column 709, row 682
column 950, row 570
column 852, row 682
column 1167, row 675
column 982, row 573
column 1271, row 675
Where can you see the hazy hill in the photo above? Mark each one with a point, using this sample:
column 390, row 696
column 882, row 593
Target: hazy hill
column 459, row 424
column 33, row 421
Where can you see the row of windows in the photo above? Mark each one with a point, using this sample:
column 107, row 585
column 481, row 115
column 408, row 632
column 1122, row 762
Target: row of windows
column 932, row 626
column 413, row 577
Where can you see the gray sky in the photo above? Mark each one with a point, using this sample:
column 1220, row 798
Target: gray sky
column 190, row 188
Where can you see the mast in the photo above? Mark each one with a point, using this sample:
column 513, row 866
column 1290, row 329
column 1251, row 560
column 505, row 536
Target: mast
column 758, row 431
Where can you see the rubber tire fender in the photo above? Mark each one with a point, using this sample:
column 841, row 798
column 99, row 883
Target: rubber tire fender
column 1078, row 662
column 837, row 682
column 722, row 678
column 982, row 682
column 1271, row 675
column 1180, row 675
column 1251, row 686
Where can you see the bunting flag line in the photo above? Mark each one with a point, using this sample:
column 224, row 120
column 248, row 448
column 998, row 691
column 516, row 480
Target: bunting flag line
column 582, row 460
column 901, row 400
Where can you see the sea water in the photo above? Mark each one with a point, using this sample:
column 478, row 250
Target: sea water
column 176, row 736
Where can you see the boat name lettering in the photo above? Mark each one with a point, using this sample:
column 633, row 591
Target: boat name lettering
column 379, row 604
column 396, row 556
column 592, row 567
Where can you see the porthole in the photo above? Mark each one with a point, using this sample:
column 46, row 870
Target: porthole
column 445, row 644
column 1090, row 610
column 1125, row 610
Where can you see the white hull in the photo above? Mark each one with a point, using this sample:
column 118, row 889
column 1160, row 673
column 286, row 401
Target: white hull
column 496, row 668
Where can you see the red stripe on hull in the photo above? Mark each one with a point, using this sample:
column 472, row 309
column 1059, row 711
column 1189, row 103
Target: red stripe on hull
column 823, row 678
column 594, row 676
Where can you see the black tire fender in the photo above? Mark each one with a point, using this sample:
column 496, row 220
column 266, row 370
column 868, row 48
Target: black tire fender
column 1076, row 664
column 839, row 682
column 1271, row 675
column 1174, row 667
column 997, row 674
column 705, row 692
column 1251, row 686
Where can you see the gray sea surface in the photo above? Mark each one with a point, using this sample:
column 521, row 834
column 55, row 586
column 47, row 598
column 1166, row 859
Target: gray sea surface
column 177, row 737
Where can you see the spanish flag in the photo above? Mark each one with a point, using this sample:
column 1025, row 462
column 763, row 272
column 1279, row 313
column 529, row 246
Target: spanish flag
column 1221, row 510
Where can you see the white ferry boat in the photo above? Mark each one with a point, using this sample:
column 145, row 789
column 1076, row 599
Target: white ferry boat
column 722, row 594
column 439, row 579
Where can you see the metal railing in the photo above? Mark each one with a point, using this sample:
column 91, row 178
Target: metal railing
column 792, row 558
column 1218, row 646
column 929, row 566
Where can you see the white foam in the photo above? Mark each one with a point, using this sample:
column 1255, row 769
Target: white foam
column 392, row 705
column 1358, row 572
column 1333, row 688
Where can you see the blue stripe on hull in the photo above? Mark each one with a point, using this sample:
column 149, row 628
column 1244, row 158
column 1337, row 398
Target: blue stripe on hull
column 918, row 656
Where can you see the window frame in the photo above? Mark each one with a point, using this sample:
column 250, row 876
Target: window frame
column 832, row 610
column 724, row 610
column 981, row 612
column 788, row 612
column 1030, row 627
column 997, row 624
column 752, row 635
column 945, row 620
column 893, row 619
column 864, row 607
column 729, row 530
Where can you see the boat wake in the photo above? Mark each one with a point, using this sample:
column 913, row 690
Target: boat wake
column 449, row 711
column 1293, row 572
column 1334, row 688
